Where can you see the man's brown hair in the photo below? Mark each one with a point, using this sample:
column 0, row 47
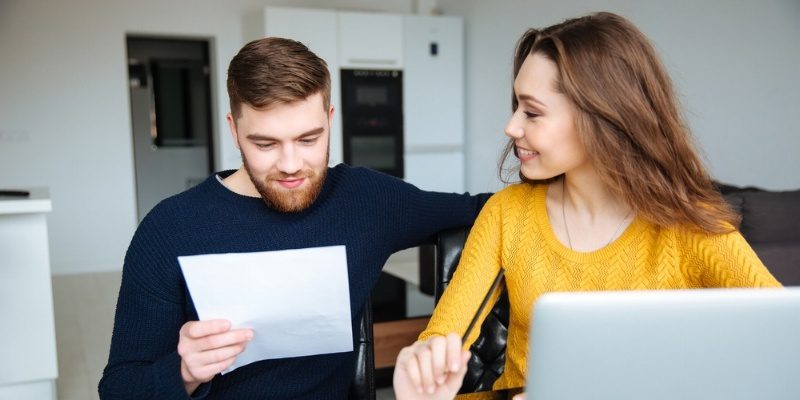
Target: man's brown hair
column 628, row 120
column 276, row 71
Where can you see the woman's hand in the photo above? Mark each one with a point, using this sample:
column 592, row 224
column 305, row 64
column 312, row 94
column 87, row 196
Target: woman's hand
column 430, row 369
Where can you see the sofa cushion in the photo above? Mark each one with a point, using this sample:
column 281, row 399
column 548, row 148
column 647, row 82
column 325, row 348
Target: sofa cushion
column 769, row 217
column 782, row 260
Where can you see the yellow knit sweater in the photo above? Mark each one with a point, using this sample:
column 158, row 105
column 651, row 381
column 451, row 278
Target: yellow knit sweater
column 513, row 231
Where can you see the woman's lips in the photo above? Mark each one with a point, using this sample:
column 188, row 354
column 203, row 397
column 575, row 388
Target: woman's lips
column 525, row 154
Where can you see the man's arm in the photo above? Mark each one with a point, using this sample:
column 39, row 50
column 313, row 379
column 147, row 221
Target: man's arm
column 143, row 360
column 147, row 362
column 421, row 214
column 156, row 351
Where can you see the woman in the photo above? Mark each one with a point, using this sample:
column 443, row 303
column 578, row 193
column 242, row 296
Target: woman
column 613, row 197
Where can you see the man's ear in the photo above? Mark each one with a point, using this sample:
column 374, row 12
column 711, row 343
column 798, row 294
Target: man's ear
column 234, row 130
column 330, row 117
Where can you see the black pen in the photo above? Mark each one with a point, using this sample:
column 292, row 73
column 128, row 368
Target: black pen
column 495, row 284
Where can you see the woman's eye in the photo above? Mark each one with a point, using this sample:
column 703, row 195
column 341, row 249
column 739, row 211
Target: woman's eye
column 529, row 114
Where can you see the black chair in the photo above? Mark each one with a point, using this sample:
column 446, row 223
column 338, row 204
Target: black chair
column 489, row 350
column 363, row 386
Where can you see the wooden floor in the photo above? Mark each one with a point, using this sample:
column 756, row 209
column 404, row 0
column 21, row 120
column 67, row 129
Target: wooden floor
column 84, row 316
column 390, row 337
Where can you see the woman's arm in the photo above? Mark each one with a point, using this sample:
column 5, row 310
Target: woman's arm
column 480, row 262
column 434, row 366
column 727, row 260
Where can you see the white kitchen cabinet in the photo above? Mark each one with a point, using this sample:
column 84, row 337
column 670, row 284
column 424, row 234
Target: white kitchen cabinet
column 318, row 30
column 429, row 50
column 433, row 102
column 28, row 337
column 433, row 83
column 436, row 171
column 370, row 40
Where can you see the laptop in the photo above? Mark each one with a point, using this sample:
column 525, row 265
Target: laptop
column 678, row 344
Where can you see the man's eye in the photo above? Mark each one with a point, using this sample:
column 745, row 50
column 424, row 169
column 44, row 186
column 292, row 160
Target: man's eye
column 308, row 141
column 264, row 146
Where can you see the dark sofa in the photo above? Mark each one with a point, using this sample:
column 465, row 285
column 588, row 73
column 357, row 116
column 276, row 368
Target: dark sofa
column 771, row 225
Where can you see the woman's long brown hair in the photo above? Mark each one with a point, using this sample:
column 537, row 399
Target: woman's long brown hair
column 628, row 120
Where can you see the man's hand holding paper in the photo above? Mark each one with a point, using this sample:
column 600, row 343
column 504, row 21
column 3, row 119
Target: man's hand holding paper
column 297, row 302
column 208, row 348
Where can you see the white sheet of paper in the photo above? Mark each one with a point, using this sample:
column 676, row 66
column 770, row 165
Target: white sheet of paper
column 296, row 301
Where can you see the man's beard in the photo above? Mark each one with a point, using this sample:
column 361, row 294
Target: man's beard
column 289, row 200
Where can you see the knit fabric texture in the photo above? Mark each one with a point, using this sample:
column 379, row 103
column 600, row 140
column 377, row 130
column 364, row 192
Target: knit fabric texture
column 372, row 214
column 513, row 231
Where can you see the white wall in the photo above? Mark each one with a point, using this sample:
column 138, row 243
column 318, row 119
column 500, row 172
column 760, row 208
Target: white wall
column 734, row 62
column 65, row 123
column 64, row 112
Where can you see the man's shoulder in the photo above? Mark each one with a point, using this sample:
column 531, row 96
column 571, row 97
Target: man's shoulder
column 184, row 200
column 183, row 204
column 363, row 179
column 350, row 172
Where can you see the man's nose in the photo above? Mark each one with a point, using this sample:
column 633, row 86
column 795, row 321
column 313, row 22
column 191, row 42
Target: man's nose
column 289, row 162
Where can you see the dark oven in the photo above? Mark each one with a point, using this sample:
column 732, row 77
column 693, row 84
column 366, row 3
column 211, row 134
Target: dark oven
column 372, row 119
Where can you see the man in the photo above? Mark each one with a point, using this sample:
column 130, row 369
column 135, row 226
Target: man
column 283, row 197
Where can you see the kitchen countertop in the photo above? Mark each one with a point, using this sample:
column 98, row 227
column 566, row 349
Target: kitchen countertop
column 38, row 201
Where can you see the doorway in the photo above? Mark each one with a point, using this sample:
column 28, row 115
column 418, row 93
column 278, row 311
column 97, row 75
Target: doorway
column 171, row 116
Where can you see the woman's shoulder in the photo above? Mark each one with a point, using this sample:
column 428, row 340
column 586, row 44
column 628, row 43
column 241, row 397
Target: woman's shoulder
column 698, row 241
column 518, row 196
column 520, row 191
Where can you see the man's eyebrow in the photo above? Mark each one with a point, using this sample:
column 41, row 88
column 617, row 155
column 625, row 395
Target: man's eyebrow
column 313, row 132
column 259, row 136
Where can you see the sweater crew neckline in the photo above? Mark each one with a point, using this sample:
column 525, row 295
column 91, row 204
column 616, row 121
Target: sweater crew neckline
column 218, row 188
column 633, row 230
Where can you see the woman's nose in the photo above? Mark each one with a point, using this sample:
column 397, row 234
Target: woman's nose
column 513, row 129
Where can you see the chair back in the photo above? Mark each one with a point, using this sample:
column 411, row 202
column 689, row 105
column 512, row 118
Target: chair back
column 363, row 386
column 489, row 350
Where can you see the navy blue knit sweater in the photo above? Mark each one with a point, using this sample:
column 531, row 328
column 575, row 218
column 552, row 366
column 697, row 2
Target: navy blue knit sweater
column 372, row 214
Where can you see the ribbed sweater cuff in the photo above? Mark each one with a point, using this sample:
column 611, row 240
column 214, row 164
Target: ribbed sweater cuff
column 169, row 384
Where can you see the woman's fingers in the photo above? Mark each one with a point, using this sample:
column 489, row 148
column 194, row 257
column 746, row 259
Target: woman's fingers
column 435, row 367
column 424, row 357
column 439, row 356
column 455, row 379
column 407, row 360
column 454, row 352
